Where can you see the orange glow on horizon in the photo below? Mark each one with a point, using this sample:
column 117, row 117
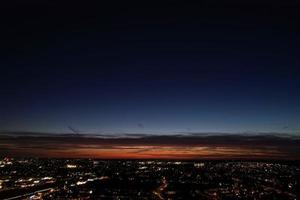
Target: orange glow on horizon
column 152, row 148
column 158, row 152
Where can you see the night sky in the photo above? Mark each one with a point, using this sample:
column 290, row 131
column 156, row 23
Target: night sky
column 152, row 68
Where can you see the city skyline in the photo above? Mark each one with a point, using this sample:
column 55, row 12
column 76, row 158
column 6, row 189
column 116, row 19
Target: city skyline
column 150, row 100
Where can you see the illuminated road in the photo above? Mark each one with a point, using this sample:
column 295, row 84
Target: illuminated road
column 161, row 188
column 28, row 194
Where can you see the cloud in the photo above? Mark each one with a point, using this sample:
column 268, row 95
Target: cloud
column 140, row 125
column 195, row 146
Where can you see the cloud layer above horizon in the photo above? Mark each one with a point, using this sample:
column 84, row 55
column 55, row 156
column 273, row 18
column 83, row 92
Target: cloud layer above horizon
column 137, row 146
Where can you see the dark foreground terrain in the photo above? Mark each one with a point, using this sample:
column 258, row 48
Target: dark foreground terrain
column 123, row 179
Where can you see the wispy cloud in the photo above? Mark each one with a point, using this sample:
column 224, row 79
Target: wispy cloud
column 181, row 146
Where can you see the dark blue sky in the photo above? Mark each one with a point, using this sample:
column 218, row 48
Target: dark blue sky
column 156, row 68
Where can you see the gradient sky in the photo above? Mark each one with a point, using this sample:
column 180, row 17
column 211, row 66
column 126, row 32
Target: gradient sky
column 159, row 68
